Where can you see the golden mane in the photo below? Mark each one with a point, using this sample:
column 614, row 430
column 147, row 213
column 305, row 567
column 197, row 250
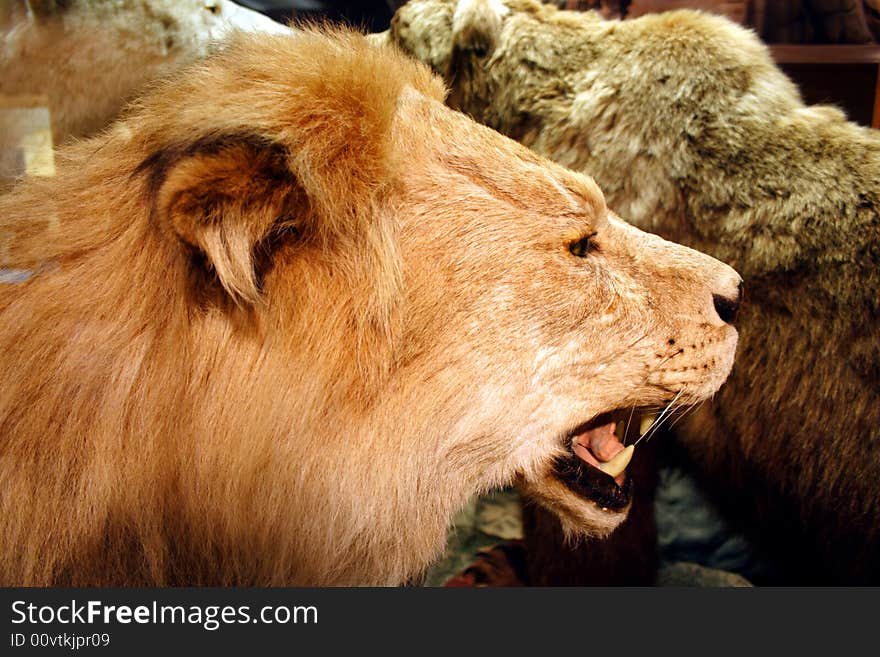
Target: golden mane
column 93, row 367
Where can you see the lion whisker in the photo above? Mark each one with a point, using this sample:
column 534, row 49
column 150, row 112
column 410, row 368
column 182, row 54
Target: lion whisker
column 663, row 362
column 633, row 344
column 660, row 419
column 628, row 420
column 689, row 410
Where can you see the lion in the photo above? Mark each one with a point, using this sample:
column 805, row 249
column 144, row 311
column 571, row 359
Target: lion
column 296, row 311
column 90, row 57
column 693, row 133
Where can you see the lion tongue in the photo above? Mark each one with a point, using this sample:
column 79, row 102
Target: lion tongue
column 601, row 449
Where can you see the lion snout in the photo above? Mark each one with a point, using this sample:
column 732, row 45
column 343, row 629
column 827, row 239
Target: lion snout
column 722, row 282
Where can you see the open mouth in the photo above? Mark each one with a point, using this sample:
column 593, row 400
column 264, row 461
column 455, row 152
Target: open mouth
column 599, row 455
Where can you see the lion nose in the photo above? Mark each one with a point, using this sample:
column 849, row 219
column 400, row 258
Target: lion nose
column 727, row 307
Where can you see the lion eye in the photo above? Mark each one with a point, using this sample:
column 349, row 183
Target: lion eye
column 582, row 247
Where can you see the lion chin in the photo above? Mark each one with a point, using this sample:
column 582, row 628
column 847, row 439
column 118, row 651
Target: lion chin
column 588, row 487
column 578, row 515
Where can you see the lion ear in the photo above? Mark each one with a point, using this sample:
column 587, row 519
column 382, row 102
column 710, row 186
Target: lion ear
column 476, row 26
column 224, row 198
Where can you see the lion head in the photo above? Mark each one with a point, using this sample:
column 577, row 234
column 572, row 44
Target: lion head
column 293, row 311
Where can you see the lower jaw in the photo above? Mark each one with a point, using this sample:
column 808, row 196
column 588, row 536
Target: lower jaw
column 593, row 485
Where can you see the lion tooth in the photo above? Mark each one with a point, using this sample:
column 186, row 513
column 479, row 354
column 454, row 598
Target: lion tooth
column 618, row 430
column 647, row 421
column 618, row 464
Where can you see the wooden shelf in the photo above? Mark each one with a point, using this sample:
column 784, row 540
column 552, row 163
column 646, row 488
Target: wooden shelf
column 845, row 75
column 823, row 54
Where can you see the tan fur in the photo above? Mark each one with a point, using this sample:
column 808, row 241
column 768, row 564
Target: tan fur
column 693, row 133
column 90, row 57
column 296, row 312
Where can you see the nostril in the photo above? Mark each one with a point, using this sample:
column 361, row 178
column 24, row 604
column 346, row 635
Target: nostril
column 727, row 307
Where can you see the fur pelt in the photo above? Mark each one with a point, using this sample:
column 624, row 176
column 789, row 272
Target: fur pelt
column 776, row 21
column 695, row 134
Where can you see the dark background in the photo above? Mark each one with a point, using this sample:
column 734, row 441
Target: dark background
column 374, row 15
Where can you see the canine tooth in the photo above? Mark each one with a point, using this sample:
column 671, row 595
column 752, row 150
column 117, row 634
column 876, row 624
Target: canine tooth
column 618, row 464
column 618, row 430
column 647, row 421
